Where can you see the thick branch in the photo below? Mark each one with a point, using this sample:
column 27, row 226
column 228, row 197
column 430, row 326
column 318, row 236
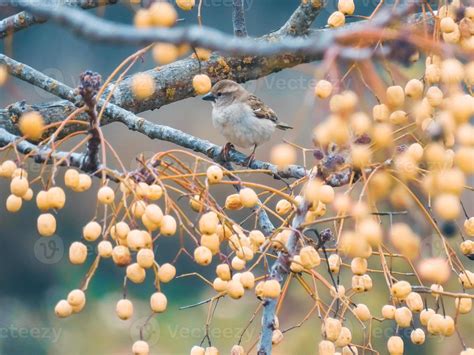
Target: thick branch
column 279, row 271
column 238, row 19
column 94, row 28
column 39, row 155
column 56, row 113
column 300, row 22
column 24, row 19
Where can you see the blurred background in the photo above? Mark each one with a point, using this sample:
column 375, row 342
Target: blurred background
column 35, row 273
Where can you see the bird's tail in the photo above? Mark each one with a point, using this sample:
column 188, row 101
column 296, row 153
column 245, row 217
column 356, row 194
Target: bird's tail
column 283, row 126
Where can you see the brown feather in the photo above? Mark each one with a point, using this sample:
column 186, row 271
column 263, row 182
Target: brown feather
column 261, row 110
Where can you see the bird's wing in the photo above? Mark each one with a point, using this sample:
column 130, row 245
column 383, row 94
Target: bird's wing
column 261, row 110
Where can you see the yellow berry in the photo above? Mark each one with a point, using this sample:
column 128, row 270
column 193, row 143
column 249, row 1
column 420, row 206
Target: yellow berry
column 13, row 203
column 347, row 7
column 198, row 350
column 168, row 226
column 283, row 155
column 214, row 174
column 165, row 53
column 136, row 273
column 202, row 255
column 463, row 305
column 435, row 270
column 425, row 316
column 142, row 19
column 211, row 241
column 283, row 207
column 248, row 197
column 395, row 96
column 185, row 5
column 106, row 195
column 447, row 25
column 309, row 257
column 85, row 182
column 31, row 125
column 362, row 312
column 359, row 266
column 163, row 14
column 381, row 113
column 143, row 86
column 452, row 71
column 140, row 347
column 403, row 317
column 232, row 202
column 447, row 206
column 158, row 302
column 337, row 19
column 202, row 84
column 166, row 272
column 219, row 285
column 19, row 186
column 91, row 231
column 76, row 297
column 271, row 289
column 46, row 225
column 145, row 258
column 277, row 337
column 414, row 302
column 154, row 214
column 334, row 262
column 326, row 347
column 237, row 350
column 332, row 328
column 154, row 192
column 77, row 253
column 3, row 74
column 121, row 255
column 401, row 289
column 104, row 249
column 56, row 197
column 247, row 279
column 395, row 345
column 414, row 89
column 434, row 95
column 235, row 289
column 63, row 309
column 388, row 311
column 7, row 168
column 124, row 309
column 398, row 117
column 323, row 89
column 417, row 336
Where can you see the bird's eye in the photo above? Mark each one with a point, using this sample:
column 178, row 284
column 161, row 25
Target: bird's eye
column 219, row 94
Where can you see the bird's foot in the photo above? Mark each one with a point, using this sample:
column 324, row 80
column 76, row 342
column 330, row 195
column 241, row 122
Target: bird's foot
column 249, row 160
column 224, row 155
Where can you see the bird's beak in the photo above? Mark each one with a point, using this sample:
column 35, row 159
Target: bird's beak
column 209, row 97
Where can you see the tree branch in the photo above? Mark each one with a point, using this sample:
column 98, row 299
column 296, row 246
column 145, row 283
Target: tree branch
column 301, row 20
column 279, row 271
column 24, row 19
column 55, row 113
column 98, row 29
column 238, row 19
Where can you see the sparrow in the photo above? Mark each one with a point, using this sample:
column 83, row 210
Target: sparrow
column 241, row 117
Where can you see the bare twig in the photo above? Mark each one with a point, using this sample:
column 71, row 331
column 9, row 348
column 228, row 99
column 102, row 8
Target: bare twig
column 24, row 19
